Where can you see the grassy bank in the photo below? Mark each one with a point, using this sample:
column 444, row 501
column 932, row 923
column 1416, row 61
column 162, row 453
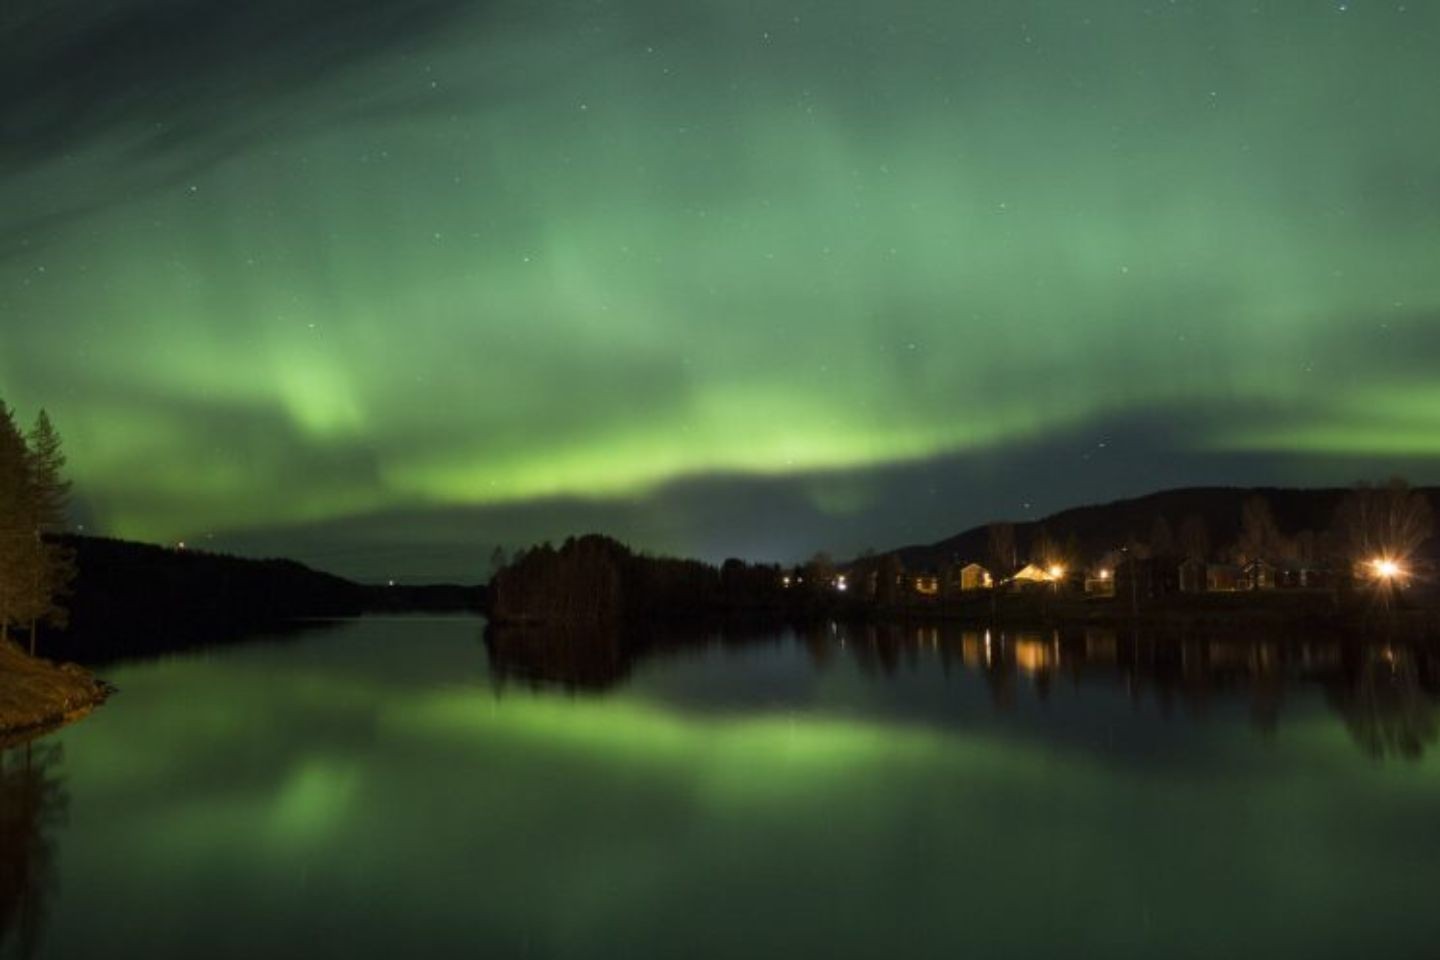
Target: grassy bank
column 36, row 694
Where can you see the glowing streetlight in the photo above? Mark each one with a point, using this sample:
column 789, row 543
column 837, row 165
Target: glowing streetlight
column 1387, row 569
column 1056, row 572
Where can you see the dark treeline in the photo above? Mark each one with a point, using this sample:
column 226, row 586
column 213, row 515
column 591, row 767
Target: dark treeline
column 594, row 579
column 132, row 599
column 94, row 599
column 1208, row 523
column 1267, row 569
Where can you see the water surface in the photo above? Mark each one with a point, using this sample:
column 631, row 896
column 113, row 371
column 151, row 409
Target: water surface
column 389, row 788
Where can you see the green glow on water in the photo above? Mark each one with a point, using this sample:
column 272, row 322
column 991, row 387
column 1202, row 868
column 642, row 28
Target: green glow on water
column 370, row 780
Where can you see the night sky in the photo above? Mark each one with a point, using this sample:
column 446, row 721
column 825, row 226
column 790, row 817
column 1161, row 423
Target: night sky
column 383, row 284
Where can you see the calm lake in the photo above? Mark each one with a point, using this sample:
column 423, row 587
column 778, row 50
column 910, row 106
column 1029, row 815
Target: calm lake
column 391, row 788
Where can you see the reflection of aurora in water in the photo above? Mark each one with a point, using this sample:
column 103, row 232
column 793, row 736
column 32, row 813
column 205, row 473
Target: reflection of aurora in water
column 389, row 786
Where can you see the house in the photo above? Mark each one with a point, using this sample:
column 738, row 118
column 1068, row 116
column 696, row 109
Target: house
column 1100, row 583
column 926, row 584
column 1030, row 574
column 1223, row 577
column 1258, row 575
column 1193, row 575
column 975, row 577
column 1302, row 575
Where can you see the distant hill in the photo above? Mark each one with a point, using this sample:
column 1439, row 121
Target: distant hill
column 1104, row 527
column 130, row 598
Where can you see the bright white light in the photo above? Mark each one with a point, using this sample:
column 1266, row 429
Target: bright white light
column 1388, row 569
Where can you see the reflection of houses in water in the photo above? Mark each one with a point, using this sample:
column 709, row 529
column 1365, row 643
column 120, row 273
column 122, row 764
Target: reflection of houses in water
column 1193, row 669
column 1240, row 655
column 1035, row 653
column 1101, row 646
column 975, row 649
column 1384, row 692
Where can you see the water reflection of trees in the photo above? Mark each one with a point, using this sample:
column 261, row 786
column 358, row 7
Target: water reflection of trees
column 32, row 806
column 1384, row 691
column 1388, row 705
column 598, row 657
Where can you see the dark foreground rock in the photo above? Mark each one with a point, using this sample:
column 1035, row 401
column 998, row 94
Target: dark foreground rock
column 36, row 694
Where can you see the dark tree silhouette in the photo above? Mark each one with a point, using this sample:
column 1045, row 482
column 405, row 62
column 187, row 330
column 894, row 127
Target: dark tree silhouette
column 1162, row 538
column 1385, row 707
column 1045, row 551
column 1260, row 537
column 888, row 579
column 1004, row 558
column 1195, row 537
column 1391, row 521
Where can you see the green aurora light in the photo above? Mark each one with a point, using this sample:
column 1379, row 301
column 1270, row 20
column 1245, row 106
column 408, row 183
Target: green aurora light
column 591, row 250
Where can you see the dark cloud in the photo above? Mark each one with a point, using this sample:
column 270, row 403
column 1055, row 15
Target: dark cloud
column 164, row 90
column 166, row 73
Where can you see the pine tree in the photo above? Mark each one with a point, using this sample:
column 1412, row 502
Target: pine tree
column 14, row 509
column 52, row 564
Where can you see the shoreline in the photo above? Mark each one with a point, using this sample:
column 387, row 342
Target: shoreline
column 38, row 696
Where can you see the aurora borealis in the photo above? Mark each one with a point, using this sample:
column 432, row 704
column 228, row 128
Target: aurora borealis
column 384, row 284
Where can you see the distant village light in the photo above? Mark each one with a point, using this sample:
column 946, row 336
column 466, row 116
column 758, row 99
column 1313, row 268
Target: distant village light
column 1056, row 572
column 1104, row 574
